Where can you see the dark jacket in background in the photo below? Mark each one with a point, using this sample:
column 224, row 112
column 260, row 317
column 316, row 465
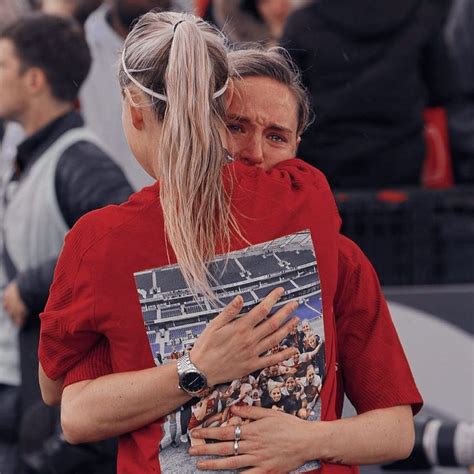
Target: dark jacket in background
column 371, row 67
column 460, row 39
column 239, row 24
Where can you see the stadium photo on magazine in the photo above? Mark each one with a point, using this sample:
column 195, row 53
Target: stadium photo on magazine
column 174, row 318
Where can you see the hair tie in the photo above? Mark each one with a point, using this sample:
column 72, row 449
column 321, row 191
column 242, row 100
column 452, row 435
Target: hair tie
column 151, row 92
column 176, row 25
column 139, row 84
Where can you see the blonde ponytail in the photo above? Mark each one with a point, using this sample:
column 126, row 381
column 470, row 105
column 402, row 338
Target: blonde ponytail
column 186, row 73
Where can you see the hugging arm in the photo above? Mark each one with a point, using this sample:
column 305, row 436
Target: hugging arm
column 229, row 348
column 381, row 389
column 373, row 437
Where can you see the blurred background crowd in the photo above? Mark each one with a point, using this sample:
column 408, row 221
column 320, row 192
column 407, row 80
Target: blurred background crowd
column 376, row 72
column 392, row 91
column 391, row 83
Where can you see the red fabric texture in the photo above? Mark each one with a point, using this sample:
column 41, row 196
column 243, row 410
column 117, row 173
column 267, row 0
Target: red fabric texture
column 93, row 365
column 94, row 306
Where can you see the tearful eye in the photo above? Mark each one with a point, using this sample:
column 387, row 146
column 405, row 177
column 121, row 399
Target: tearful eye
column 234, row 128
column 276, row 138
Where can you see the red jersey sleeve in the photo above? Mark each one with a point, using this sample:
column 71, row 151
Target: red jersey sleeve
column 375, row 371
column 94, row 364
column 68, row 328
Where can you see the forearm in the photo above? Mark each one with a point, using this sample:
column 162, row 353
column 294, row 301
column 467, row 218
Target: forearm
column 110, row 405
column 373, row 437
column 50, row 389
column 119, row 403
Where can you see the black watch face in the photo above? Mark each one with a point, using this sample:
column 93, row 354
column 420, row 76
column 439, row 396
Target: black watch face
column 193, row 382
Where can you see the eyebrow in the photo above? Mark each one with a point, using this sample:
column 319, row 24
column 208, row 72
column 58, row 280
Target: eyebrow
column 246, row 120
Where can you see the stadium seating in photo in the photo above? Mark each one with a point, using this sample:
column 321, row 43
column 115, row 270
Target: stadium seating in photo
column 305, row 280
column 172, row 348
column 231, row 269
column 151, row 337
column 262, row 266
column 297, row 283
column 192, row 307
column 186, row 332
column 170, row 279
column 170, row 312
column 297, row 259
column 149, row 316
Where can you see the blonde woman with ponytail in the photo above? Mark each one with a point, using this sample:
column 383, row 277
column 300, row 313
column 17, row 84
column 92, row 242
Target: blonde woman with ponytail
column 94, row 353
column 175, row 81
column 188, row 113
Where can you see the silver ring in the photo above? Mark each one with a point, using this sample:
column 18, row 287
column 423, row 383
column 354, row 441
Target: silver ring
column 237, row 432
column 236, row 447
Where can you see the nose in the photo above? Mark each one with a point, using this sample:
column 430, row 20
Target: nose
column 252, row 151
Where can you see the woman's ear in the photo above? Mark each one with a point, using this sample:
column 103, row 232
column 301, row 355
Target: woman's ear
column 136, row 114
column 135, row 111
column 298, row 141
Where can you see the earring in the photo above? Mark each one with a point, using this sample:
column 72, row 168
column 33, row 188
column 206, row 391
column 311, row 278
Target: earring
column 228, row 157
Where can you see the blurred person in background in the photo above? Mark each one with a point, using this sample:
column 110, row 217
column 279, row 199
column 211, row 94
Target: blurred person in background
column 101, row 98
column 10, row 134
column 252, row 20
column 185, row 5
column 371, row 68
column 11, row 9
column 460, row 39
column 60, row 172
column 77, row 9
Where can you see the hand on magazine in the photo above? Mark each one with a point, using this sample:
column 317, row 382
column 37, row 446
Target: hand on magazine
column 232, row 347
column 275, row 442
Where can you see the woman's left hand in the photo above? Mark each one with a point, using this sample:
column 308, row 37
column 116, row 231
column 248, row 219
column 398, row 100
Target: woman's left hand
column 274, row 442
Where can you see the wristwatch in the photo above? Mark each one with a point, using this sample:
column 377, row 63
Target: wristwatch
column 191, row 379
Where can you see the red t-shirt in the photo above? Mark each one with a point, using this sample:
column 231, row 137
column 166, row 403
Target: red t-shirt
column 94, row 296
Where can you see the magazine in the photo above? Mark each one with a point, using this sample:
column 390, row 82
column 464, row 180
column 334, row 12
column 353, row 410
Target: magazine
column 174, row 318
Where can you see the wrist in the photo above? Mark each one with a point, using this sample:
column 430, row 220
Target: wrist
column 316, row 442
column 202, row 366
column 191, row 378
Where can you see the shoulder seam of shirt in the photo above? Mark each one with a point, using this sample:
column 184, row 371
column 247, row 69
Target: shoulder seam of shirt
column 96, row 241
